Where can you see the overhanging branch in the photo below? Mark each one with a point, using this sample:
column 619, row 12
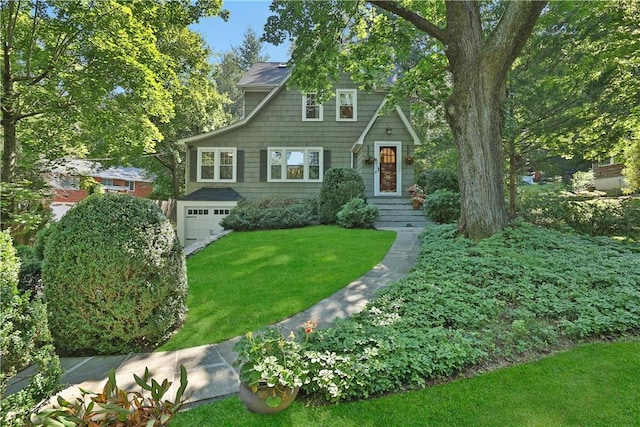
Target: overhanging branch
column 415, row 19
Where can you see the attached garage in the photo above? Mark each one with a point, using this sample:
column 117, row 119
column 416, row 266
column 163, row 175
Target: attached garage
column 199, row 213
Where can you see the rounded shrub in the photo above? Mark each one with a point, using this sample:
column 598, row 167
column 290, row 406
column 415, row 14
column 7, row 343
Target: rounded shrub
column 443, row 206
column 114, row 276
column 340, row 185
column 357, row 214
column 436, row 179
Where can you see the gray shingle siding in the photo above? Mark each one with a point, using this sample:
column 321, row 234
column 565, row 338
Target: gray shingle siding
column 279, row 124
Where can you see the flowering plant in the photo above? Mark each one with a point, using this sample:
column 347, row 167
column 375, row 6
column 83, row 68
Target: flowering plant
column 416, row 193
column 267, row 358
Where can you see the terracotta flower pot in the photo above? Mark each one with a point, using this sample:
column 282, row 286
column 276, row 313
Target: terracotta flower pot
column 416, row 204
column 257, row 402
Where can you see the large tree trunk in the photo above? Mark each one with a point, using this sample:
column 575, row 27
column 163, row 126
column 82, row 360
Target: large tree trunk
column 479, row 67
column 473, row 112
column 7, row 98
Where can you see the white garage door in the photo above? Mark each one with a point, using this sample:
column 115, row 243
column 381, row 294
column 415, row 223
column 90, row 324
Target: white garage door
column 202, row 222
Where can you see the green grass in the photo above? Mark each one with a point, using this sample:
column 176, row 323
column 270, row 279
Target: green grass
column 251, row 279
column 592, row 385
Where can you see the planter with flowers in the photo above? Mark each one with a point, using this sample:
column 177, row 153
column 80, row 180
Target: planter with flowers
column 272, row 368
column 416, row 196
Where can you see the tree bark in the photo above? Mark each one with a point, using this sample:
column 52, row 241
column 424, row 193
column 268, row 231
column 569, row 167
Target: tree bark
column 8, row 97
column 473, row 113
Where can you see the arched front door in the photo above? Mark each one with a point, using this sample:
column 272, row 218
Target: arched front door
column 388, row 173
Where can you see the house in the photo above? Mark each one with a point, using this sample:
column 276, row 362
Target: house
column 607, row 174
column 286, row 142
column 64, row 179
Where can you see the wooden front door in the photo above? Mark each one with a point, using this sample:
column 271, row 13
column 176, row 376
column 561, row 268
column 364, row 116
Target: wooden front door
column 388, row 169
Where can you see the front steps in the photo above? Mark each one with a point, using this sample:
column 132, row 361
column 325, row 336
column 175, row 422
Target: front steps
column 397, row 212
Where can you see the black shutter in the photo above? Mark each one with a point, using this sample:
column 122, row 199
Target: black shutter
column 327, row 160
column 240, row 166
column 263, row 165
column 193, row 164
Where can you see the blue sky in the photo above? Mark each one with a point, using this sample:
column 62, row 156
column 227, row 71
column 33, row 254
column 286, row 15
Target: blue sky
column 221, row 35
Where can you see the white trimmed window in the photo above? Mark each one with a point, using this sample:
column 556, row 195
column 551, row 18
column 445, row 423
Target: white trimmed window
column 294, row 164
column 216, row 164
column 311, row 109
column 346, row 105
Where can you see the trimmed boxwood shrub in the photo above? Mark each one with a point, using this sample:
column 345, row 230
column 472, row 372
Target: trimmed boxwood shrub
column 271, row 213
column 24, row 341
column 357, row 214
column 443, row 206
column 339, row 186
column 437, row 179
column 114, row 276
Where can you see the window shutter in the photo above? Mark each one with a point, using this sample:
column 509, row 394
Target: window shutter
column 263, row 165
column 327, row 160
column 240, row 166
column 193, row 164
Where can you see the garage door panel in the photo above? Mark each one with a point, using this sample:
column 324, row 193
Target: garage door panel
column 202, row 222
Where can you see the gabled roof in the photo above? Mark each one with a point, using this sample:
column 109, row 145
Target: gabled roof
column 213, row 195
column 264, row 76
column 273, row 91
column 403, row 117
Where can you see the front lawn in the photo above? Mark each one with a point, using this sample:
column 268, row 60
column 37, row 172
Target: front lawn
column 594, row 385
column 466, row 307
column 247, row 280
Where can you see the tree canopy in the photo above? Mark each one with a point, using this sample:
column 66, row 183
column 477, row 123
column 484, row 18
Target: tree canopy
column 98, row 79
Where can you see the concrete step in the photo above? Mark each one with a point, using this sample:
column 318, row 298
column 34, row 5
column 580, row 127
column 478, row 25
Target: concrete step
column 398, row 212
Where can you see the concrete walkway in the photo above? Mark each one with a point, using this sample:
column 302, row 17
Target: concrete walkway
column 210, row 368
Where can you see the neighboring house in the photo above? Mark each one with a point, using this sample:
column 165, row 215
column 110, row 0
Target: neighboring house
column 607, row 174
column 65, row 182
column 285, row 144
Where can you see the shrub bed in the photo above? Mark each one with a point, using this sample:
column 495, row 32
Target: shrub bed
column 272, row 213
column 519, row 292
column 24, row 341
column 592, row 216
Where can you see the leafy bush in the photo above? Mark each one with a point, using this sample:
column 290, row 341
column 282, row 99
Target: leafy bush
column 30, row 276
column 520, row 292
column 443, row 206
column 114, row 276
column 437, row 179
column 357, row 214
column 271, row 213
column 24, row 341
column 339, row 186
column 116, row 407
column 592, row 216
column 582, row 181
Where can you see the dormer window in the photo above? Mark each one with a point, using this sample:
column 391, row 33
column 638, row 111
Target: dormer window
column 346, row 105
column 311, row 109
